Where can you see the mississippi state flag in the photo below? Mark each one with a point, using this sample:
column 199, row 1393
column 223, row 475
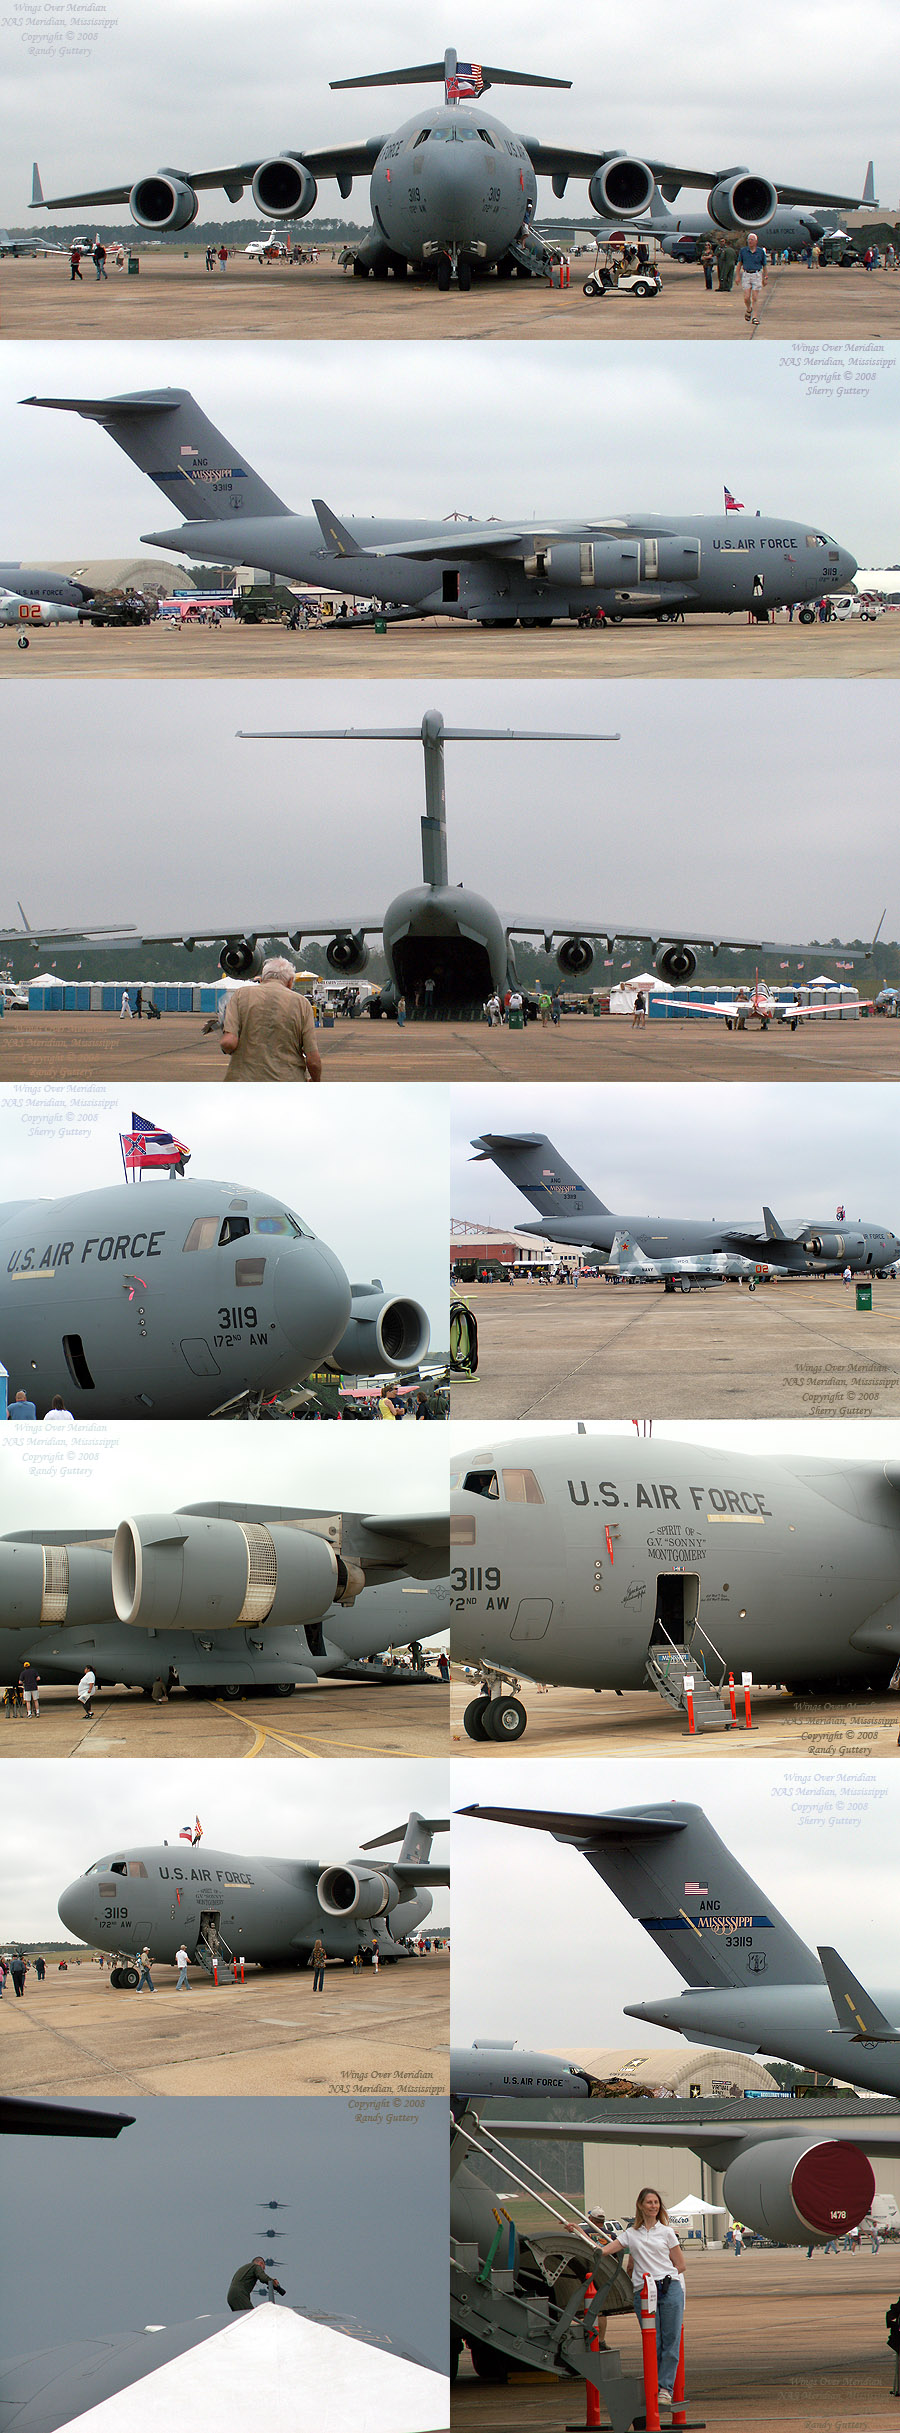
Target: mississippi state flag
column 466, row 82
column 146, row 1145
column 732, row 505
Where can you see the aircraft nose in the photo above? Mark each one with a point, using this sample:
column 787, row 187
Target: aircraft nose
column 312, row 1299
column 458, row 179
column 73, row 1907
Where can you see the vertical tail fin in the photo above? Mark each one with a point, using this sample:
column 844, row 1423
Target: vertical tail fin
column 415, row 1838
column 166, row 435
column 529, row 1160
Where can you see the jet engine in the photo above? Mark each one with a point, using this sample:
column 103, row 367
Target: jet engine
column 283, row 189
column 676, row 962
column 182, row 1568
column 832, row 1245
column 241, row 959
column 622, row 188
column 382, row 1333
column 354, row 1892
column 163, row 201
column 742, row 201
column 347, row 953
column 800, row 2188
column 51, row 1584
column 574, row 955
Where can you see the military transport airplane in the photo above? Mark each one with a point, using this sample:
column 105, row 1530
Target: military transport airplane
column 785, row 232
column 230, row 1595
column 568, row 1212
column 267, row 1910
column 596, row 1562
column 527, row 572
column 221, row 1296
column 436, row 930
column 754, row 1987
column 452, row 189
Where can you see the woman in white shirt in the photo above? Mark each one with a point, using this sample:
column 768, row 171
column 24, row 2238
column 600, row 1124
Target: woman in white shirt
column 652, row 2247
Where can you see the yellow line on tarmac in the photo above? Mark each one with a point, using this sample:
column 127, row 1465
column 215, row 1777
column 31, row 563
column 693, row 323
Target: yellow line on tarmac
column 263, row 1732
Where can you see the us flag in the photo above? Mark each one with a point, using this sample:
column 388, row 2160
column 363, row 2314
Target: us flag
column 147, row 1146
column 466, row 82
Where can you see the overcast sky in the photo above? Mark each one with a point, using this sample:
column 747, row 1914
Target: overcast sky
column 111, row 2236
column 57, row 1819
column 336, row 825
column 518, row 1896
column 808, row 101
column 147, row 1468
column 682, row 1149
column 418, row 430
column 367, row 1172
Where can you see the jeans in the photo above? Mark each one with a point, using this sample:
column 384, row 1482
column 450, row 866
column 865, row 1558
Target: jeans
column 318, row 1980
column 182, row 1980
column 669, row 2315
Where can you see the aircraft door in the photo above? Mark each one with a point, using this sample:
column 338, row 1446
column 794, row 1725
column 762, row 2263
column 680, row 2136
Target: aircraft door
column 677, row 1608
column 199, row 1357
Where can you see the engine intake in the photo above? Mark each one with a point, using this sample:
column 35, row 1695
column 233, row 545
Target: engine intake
column 354, row 1892
column 800, row 2188
column 43, row 1585
column 622, row 188
column 832, row 1245
column 284, row 189
column 241, row 959
column 676, row 962
column 575, row 955
column 163, row 201
column 180, row 1568
column 383, row 1332
column 742, row 201
column 347, row 953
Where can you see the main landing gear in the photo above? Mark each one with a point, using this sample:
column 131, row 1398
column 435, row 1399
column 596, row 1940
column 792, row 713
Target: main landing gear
column 493, row 1716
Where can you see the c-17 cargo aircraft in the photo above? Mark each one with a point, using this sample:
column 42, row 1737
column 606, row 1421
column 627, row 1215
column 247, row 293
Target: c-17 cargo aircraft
column 529, row 572
column 568, row 1212
column 221, row 1296
column 452, row 189
column 753, row 1987
column 600, row 1562
column 267, row 1910
column 229, row 1595
column 444, row 932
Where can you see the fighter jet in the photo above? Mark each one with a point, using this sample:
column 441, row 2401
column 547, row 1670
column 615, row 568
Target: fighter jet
column 27, row 614
column 577, row 1217
column 436, row 930
column 270, row 1910
column 598, row 1561
column 696, row 1272
column 528, row 572
column 229, row 1595
column 450, row 189
column 223, row 1299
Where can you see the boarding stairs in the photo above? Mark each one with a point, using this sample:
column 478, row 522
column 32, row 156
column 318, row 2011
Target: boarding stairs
column 211, row 1950
column 668, row 1666
column 529, row 252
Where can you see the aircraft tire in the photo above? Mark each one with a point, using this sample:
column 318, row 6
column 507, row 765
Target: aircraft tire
column 232, row 1689
column 473, row 1719
column 360, row 269
column 22, row 641
column 284, row 1689
column 464, row 276
column 683, row 1285
column 506, row 1719
column 751, row 1285
column 124, row 1979
column 444, row 275
column 807, row 616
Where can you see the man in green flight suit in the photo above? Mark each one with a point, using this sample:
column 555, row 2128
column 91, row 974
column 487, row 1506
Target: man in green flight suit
column 245, row 2280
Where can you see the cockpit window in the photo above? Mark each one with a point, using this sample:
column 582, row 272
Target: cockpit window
column 487, row 138
column 422, row 138
column 136, row 1867
column 232, row 1229
column 204, row 1232
column 273, row 1224
column 818, row 540
column 521, row 1487
column 481, row 1482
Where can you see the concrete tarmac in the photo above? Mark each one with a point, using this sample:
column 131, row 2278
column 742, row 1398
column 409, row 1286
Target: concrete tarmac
column 702, row 646
column 338, row 1719
column 585, row 1723
column 774, row 2343
column 75, row 2039
column 173, row 296
column 786, row 1351
column 101, row 1047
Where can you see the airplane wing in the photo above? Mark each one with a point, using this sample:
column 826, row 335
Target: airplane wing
column 342, row 161
column 510, row 540
column 28, row 2116
column 559, row 160
column 880, row 2136
column 625, row 933
column 71, row 941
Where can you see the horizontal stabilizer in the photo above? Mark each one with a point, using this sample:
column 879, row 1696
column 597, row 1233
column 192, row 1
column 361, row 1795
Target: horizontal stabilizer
column 427, row 1824
column 852, row 2003
column 435, row 70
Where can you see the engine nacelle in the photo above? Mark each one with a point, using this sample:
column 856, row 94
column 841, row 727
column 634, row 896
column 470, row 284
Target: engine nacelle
column 354, row 1892
column 622, row 188
column 383, row 1332
column 676, row 962
column 742, row 201
column 180, row 1568
column 284, row 189
column 241, row 959
column 574, row 955
column 832, row 1245
column 347, row 953
column 163, row 201
column 800, row 2188
column 41, row 1586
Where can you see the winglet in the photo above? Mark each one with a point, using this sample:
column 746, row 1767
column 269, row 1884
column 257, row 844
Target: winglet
column 869, row 2023
column 878, row 931
column 37, row 191
column 24, row 914
column 774, row 1231
column 336, row 537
